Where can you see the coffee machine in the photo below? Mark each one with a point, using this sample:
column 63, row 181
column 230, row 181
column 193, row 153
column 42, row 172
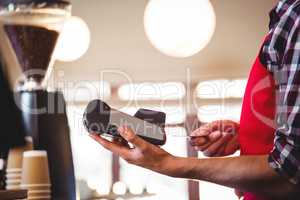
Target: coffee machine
column 12, row 134
column 29, row 30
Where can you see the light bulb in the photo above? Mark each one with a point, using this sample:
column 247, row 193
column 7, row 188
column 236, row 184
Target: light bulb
column 136, row 189
column 179, row 28
column 92, row 183
column 119, row 188
column 73, row 41
column 103, row 190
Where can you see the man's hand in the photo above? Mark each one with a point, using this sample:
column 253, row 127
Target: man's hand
column 219, row 138
column 142, row 154
column 246, row 173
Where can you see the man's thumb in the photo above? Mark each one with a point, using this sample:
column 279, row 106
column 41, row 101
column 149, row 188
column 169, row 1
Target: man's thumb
column 131, row 137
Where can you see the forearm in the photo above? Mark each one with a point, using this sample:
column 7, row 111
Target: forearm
column 246, row 173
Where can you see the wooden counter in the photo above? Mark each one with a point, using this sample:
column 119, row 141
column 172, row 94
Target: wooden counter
column 13, row 194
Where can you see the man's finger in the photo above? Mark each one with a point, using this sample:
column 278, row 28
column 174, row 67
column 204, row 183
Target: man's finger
column 111, row 146
column 132, row 138
column 213, row 149
column 202, row 131
column 225, row 126
column 198, row 140
column 121, row 141
column 232, row 146
column 213, row 137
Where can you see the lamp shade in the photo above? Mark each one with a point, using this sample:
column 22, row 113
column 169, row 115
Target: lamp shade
column 179, row 28
column 74, row 40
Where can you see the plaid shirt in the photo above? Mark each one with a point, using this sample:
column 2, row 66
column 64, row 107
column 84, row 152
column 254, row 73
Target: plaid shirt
column 281, row 55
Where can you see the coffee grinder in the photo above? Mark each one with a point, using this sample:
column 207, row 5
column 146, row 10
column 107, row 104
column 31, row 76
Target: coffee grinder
column 29, row 30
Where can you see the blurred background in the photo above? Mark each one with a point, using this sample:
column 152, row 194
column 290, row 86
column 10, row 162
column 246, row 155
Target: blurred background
column 112, row 50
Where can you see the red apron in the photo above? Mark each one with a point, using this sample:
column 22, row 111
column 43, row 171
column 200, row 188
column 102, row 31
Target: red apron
column 256, row 135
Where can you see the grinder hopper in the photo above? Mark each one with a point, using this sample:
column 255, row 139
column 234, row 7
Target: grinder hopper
column 29, row 31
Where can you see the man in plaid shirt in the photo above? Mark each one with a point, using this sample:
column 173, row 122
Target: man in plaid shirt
column 269, row 167
column 281, row 55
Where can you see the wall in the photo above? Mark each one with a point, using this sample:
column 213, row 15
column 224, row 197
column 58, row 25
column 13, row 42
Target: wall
column 119, row 42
